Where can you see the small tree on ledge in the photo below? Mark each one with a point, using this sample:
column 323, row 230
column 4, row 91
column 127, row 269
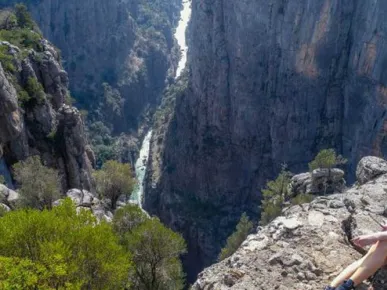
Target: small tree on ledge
column 327, row 158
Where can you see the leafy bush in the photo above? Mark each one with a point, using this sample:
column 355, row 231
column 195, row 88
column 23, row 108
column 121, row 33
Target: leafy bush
column 39, row 185
column 326, row 158
column 6, row 59
column 274, row 196
column 236, row 239
column 156, row 250
column 35, row 89
column 60, row 249
column 127, row 218
column 23, row 17
column 302, row 198
column 2, row 179
column 113, row 180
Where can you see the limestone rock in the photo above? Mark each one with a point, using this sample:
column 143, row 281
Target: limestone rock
column 370, row 167
column 270, row 81
column 305, row 247
column 46, row 127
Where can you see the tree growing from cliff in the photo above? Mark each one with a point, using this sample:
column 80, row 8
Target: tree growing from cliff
column 39, row 185
column 23, row 17
column 327, row 158
column 242, row 230
column 113, row 180
column 156, row 250
column 60, row 249
column 274, row 196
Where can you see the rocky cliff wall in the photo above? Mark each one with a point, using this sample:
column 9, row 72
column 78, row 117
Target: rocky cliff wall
column 308, row 245
column 128, row 45
column 34, row 116
column 270, row 82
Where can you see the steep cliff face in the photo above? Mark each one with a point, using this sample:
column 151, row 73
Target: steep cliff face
column 270, row 82
column 128, row 45
column 309, row 244
column 34, row 116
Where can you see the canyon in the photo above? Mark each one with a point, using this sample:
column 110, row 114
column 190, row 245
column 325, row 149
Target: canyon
column 256, row 84
column 270, row 82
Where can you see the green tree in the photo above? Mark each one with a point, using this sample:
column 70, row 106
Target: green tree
column 243, row 228
column 128, row 218
column 326, row 158
column 39, row 185
column 23, row 17
column 2, row 179
column 156, row 251
column 113, row 180
column 60, row 249
column 274, row 196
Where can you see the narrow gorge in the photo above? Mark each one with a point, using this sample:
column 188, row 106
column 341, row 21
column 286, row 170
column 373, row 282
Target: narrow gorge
column 269, row 82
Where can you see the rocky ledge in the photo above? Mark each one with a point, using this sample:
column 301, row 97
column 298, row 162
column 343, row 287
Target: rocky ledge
column 309, row 244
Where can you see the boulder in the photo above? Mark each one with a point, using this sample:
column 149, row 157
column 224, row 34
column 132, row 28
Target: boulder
column 82, row 198
column 369, row 168
column 319, row 181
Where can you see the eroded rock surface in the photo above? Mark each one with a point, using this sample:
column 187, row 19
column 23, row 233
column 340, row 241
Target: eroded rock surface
column 270, row 81
column 42, row 124
column 305, row 247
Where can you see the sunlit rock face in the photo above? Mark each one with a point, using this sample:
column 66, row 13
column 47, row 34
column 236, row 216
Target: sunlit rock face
column 270, row 82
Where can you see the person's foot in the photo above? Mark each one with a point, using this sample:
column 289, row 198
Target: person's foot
column 329, row 288
column 348, row 285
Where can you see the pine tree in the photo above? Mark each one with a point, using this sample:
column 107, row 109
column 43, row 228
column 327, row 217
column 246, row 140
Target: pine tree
column 236, row 239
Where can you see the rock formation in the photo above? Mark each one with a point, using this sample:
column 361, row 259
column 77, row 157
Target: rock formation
column 128, row 45
column 270, row 82
column 34, row 118
column 308, row 245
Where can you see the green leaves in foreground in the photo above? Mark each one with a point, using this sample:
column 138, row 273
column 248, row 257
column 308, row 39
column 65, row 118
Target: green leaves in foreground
column 156, row 250
column 60, row 249
column 236, row 239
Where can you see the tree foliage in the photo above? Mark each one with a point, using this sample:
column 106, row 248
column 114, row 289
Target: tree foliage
column 326, row 158
column 2, row 179
column 156, row 250
column 113, row 180
column 274, row 196
column 23, row 17
column 236, row 239
column 39, row 185
column 60, row 249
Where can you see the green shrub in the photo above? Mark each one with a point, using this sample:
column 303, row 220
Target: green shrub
column 23, row 17
column 127, row 218
column 326, row 158
column 113, row 180
column 274, row 196
column 35, row 89
column 156, row 251
column 60, row 249
column 2, row 179
column 236, row 239
column 39, row 185
column 302, row 198
column 6, row 59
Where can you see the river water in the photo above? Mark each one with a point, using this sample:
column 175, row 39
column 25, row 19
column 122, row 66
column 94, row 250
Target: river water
column 142, row 161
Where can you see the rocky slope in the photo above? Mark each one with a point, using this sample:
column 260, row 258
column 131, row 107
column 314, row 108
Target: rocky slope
column 128, row 45
column 308, row 245
column 34, row 116
column 270, row 82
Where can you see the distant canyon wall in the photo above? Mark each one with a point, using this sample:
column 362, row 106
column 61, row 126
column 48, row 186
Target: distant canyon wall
column 269, row 82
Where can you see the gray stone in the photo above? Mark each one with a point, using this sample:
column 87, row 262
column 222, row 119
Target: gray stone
column 370, row 167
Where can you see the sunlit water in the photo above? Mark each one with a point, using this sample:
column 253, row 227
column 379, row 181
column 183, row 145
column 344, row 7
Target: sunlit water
column 180, row 35
column 140, row 168
column 142, row 161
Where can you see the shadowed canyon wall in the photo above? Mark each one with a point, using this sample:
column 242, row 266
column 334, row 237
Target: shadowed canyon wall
column 269, row 82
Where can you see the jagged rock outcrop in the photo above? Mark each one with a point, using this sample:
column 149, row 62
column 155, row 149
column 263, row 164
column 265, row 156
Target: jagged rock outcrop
column 369, row 168
column 270, row 82
column 319, row 181
column 34, row 119
column 305, row 247
column 128, row 45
